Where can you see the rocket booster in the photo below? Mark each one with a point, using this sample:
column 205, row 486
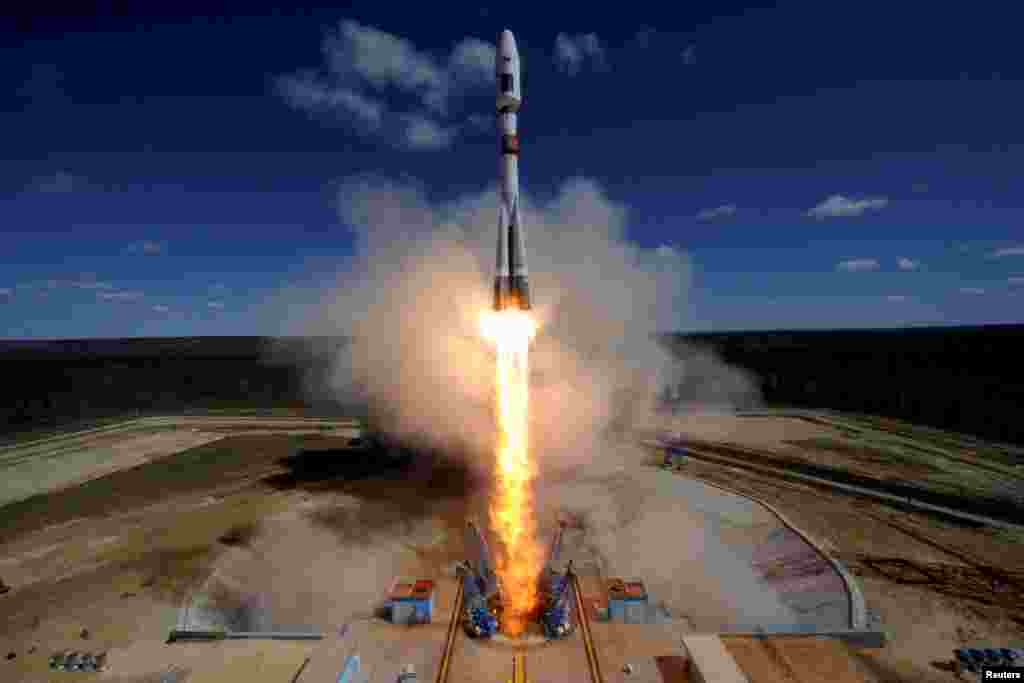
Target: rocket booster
column 511, row 290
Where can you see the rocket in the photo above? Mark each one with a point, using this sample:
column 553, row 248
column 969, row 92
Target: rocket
column 511, row 290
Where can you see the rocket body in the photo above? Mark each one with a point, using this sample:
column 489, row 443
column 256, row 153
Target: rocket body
column 511, row 289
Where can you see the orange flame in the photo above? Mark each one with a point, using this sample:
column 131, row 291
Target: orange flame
column 511, row 513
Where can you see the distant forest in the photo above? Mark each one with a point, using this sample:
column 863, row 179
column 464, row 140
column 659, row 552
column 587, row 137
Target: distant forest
column 967, row 379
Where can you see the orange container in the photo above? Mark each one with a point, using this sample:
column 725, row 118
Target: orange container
column 401, row 590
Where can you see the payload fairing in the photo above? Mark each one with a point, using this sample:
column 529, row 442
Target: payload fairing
column 511, row 290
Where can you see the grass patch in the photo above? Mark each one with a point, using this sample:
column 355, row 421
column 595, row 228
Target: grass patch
column 194, row 470
column 39, row 432
column 1009, row 535
column 864, row 454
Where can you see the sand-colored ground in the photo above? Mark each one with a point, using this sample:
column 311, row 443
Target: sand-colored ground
column 951, row 465
column 321, row 550
column 61, row 461
column 752, row 432
column 28, row 471
column 970, row 596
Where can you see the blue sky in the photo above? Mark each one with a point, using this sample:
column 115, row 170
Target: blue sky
column 823, row 164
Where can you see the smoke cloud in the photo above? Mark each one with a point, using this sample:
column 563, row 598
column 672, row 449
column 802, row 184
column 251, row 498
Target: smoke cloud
column 422, row 276
column 412, row 300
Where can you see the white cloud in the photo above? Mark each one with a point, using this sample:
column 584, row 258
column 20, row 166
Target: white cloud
column 384, row 60
column 840, row 206
column 160, row 308
column 690, row 55
column 856, row 265
column 719, row 212
column 908, row 264
column 896, row 298
column 363, row 63
column 215, row 305
column 120, row 296
column 571, row 52
column 147, row 248
column 424, row 133
column 303, row 91
column 972, row 290
column 472, row 60
column 1017, row 250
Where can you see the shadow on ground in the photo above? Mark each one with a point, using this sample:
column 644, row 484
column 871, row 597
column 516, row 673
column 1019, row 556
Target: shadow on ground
column 396, row 487
column 318, row 469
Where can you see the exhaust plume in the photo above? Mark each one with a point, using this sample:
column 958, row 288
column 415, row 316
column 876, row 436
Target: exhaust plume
column 421, row 276
column 412, row 299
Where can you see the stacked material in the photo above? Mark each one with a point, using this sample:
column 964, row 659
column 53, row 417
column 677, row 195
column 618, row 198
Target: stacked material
column 974, row 660
column 411, row 602
column 627, row 601
column 78, row 661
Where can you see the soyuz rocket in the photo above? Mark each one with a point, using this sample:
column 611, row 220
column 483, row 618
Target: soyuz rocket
column 511, row 290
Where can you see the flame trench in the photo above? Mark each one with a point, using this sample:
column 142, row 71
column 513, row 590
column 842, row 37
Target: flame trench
column 518, row 561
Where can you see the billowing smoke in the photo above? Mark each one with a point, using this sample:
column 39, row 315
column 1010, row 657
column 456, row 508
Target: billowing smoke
column 423, row 274
column 421, row 278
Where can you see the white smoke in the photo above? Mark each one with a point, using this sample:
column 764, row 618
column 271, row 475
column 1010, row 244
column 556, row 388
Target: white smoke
column 423, row 274
column 412, row 299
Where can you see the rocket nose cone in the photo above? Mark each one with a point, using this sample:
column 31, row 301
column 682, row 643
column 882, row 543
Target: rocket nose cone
column 507, row 43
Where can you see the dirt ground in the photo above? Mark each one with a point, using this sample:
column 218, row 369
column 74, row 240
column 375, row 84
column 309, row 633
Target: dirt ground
column 64, row 460
column 767, row 434
column 30, row 471
column 933, row 586
column 286, row 531
column 980, row 475
column 287, row 540
column 106, row 566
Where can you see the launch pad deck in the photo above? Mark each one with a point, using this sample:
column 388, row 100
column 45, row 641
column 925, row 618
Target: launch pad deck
column 385, row 648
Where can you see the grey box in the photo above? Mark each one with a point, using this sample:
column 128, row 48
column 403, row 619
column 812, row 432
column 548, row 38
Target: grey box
column 635, row 612
column 403, row 612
